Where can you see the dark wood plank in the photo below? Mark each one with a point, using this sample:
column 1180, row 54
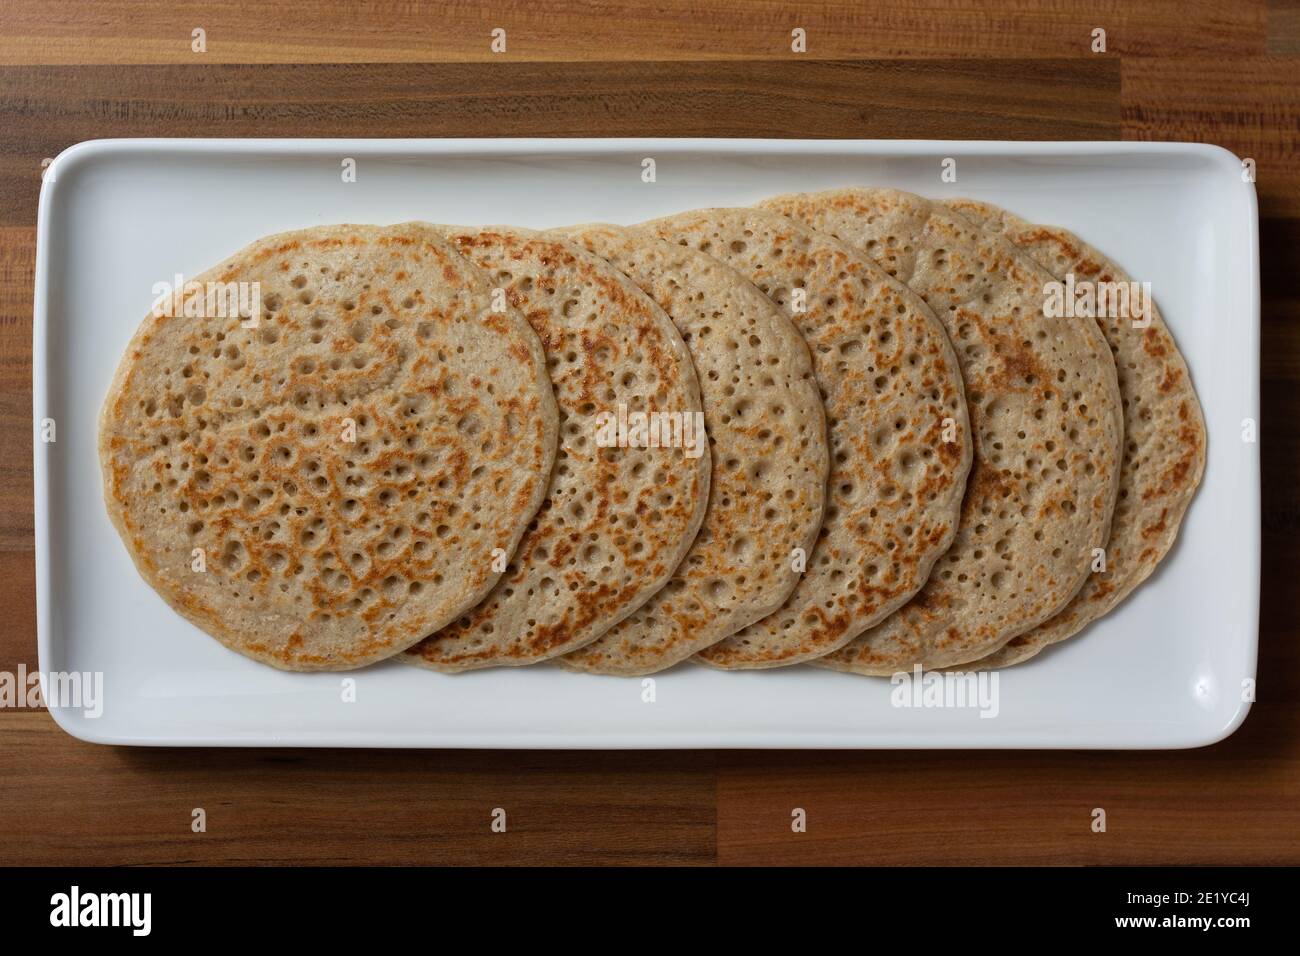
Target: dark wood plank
column 45, row 109
column 84, row 804
column 17, row 276
column 18, row 624
column 337, row 31
column 1280, row 426
column 1233, row 803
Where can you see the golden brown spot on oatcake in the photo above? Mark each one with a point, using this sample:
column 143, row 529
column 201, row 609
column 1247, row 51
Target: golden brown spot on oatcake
column 1176, row 475
column 1173, row 376
column 1158, row 527
column 950, row 453
column 1019, row 366
column 1043, row 236
column 1101, row 590
column 929, row 600
column 1154, row 343
column 1089, row 268
column 986, row 482
column 1179, row 470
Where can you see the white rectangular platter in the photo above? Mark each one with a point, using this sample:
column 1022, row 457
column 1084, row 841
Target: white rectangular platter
column 1166, row 669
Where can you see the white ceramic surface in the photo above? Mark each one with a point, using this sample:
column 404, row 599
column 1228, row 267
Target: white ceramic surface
column 1164, row 670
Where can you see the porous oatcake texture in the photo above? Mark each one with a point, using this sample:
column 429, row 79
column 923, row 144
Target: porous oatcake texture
column 1045, row 414
column 616, row 521
column 230, row 471
column 767, row 433
column 896, row 420
column 1164, row 433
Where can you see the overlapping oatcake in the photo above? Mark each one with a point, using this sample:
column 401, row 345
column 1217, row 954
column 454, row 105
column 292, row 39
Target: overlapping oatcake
column 1164, row 432
column 618, row 517
column 322, row 483
column 1046, row 417
column 899, row 440
column 767, row 433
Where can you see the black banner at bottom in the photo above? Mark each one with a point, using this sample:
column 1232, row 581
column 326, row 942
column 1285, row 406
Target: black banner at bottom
column 332, row 905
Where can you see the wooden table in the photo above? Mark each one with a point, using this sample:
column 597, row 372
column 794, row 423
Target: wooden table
column 1221, row 73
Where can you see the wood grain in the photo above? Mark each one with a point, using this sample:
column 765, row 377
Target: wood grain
column 96, row 805
column 43, row 110
column 338, row 31
column 1250, row 105
column 1233, row 803
column 17, row 277
column 1284, row 26
column 18, row 599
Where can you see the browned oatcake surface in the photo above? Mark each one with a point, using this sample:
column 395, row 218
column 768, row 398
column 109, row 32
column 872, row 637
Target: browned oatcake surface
column 616, row 520
column 896, row 421
column 320, row 484
column 1164, row 433
column 1046, row 417
column 767, row 433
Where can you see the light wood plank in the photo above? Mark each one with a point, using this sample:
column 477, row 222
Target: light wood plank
column 1249, row 105
column 336, row 31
